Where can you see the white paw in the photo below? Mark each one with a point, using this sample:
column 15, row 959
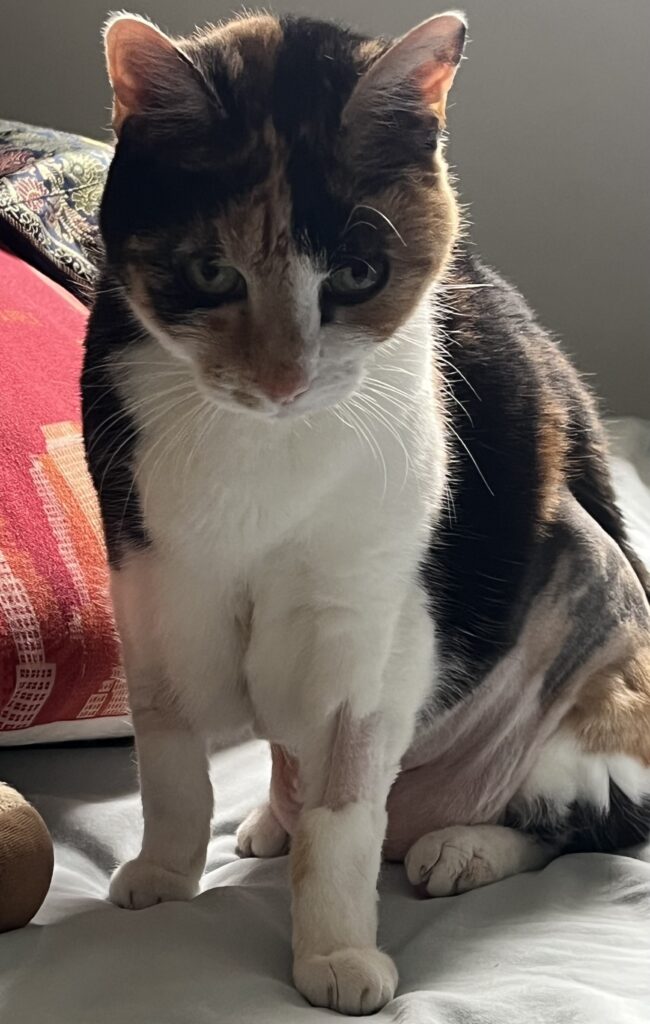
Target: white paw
column 352, row 981
column 452, row 860
column 261, row 834
column 140, row 883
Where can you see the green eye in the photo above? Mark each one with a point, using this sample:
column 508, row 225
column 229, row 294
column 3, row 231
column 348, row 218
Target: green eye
column 207, row 276
column 357, row 279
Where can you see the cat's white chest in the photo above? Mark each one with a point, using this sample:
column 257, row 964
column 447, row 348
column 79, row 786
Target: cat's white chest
column 225, row 486
column 218, row 488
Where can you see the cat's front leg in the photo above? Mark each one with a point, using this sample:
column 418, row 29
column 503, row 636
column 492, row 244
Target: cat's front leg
column 346, row 769
column 335, row 859
column 173, row 766
column 176, row 804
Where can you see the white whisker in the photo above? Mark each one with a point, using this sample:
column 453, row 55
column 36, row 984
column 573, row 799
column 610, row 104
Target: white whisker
column 474, row 462
column 373, row 209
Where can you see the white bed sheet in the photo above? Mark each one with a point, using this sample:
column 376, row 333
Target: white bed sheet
column 566, row 945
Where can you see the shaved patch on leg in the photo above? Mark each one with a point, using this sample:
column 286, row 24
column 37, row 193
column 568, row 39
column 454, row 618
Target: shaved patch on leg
column 301, row 857
column 353, row 760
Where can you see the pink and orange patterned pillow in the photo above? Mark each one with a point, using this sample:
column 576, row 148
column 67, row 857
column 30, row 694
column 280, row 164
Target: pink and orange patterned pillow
column 60, row 673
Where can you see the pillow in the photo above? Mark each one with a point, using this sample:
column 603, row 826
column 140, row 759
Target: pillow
column 60, row 674
column 50, row 187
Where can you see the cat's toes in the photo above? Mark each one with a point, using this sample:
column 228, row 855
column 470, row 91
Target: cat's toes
column 450, row 861
column 261, row 835
column 351, row 981
column 140, row 883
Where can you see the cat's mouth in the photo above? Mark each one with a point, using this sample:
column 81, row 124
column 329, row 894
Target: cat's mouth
column 312, row 399
column 241, row 399
column 272, row 408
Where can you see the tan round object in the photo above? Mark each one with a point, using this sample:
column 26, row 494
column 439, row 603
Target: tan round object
column 26, row 860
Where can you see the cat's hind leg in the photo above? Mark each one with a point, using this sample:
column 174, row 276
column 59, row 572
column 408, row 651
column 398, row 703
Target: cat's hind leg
column 265, row 831
column 580, row 776
column 463, row 857
column 261, row 834
column 588, row 791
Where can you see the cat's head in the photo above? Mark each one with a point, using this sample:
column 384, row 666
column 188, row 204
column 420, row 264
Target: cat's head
column 278, row 204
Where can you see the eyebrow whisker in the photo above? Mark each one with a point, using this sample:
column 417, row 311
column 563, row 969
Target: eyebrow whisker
column 373, row 209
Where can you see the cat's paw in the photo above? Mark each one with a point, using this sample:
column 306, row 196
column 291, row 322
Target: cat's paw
column 352, row 981
column 139, row 883
column 452, row 860
column 261, row 835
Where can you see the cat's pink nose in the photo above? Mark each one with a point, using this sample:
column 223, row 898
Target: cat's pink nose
column 284, row 387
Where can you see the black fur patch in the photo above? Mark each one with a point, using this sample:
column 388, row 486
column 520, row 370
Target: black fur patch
column 585, row 828
column 477, row 564
column 109, row 432
column 490, row 555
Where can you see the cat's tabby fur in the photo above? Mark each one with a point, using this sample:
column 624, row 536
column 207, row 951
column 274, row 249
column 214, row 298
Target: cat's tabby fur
column 356, row 501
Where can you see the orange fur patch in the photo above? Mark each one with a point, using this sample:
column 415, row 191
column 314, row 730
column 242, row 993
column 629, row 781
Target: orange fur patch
column 371, row 50
column 425, row 219
column 255, row 37
column 612, row 713
column 553, row 444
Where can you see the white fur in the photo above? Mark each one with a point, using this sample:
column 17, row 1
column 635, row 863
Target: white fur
column 335, row 910
column 174, row 782
column 464, row 857
column 351, row 981
column 141, row 883
column 630, row 775
column 281, row 586
column 564, row 773
column 261, row 834
column 340, row 861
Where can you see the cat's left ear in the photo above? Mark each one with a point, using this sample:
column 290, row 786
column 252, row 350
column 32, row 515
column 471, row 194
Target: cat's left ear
column 418, row 67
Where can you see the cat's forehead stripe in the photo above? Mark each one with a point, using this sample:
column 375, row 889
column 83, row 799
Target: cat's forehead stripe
column 288, row 90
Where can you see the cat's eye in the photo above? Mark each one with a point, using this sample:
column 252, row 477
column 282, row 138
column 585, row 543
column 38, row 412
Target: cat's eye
column 216, row 280
column 356, row 279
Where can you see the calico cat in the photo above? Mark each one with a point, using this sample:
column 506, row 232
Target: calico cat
column 355, row 500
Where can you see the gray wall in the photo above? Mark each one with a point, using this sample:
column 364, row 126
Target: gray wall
column 549, row 134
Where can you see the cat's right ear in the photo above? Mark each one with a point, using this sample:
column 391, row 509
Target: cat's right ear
column 150, row 74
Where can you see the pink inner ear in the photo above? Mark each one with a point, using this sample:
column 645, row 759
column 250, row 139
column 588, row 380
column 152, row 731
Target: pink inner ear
column 125, row 86
column 427, row 56
column 137, row 54
column 435, row 80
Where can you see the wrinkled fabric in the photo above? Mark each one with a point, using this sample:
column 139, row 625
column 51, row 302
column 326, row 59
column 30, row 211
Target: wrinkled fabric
column 567, row 945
